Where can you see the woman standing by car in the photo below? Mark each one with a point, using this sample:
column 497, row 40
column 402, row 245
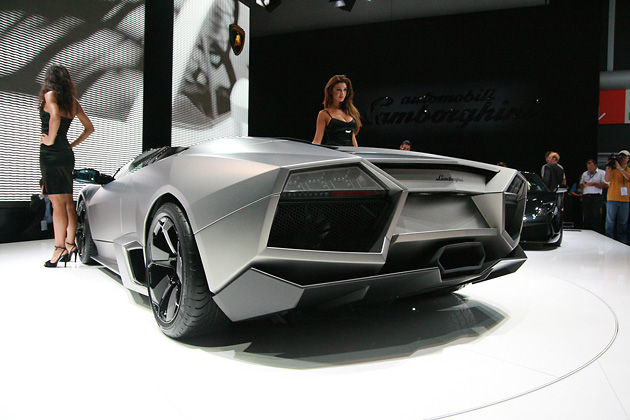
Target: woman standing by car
column 339, row 122
column 57, row 108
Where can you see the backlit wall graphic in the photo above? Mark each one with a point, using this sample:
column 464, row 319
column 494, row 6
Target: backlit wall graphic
column 614, row 106
column 101, row 43
column 210, row 82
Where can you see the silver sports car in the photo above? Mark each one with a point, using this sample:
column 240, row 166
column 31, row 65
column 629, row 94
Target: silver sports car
column 241, row 228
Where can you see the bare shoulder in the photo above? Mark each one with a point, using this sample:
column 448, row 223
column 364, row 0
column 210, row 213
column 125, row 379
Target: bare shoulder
column 50, row 96
column 326, row 112
column 50, row 101
column 323, row 115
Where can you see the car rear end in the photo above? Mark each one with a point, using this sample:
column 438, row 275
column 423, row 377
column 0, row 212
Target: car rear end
column 377, row 226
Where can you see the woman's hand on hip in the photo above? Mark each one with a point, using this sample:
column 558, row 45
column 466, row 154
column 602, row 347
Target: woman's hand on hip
column 44, row 139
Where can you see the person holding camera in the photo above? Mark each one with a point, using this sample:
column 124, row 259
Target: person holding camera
column 618, row 205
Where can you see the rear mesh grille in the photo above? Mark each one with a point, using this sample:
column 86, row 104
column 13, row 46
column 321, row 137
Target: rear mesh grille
column 335, row 225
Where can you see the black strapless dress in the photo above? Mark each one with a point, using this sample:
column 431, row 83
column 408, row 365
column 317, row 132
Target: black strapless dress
column 339, row 133
column 57, row 161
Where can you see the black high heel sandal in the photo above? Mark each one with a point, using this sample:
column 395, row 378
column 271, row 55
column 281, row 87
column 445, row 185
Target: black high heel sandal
column 74, row 250
column 64, row 253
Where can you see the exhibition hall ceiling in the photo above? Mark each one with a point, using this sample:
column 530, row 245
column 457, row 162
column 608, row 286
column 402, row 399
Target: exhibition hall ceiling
column 301, row 15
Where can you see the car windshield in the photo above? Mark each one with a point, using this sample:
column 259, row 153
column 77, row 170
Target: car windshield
column 147, row 158
column 535, row 183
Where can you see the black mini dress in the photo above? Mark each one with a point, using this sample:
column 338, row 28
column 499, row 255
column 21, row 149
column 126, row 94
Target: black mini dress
column 338, row 132
column 57, row 161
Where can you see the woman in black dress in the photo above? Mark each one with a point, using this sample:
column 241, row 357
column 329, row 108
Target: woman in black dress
column 57, row 108
column 339, row 122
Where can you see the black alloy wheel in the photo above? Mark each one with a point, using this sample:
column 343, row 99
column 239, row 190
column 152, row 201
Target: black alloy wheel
column 85, row 244
column 180, row 299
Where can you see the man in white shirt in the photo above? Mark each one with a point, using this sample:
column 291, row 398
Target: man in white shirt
column 592, row 184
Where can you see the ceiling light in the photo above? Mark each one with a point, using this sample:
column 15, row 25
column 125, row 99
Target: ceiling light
column 343, row 4
column 269, row 5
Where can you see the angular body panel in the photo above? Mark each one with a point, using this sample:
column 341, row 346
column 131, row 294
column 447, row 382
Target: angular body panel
column 279, row 224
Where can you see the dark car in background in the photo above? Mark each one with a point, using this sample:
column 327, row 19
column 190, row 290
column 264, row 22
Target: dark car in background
column 542, row 223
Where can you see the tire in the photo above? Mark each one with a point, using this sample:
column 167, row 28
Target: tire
column 559, row 241
column 180, row 299
column 85, row 244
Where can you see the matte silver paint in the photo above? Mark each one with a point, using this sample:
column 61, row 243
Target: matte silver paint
column 230, row 188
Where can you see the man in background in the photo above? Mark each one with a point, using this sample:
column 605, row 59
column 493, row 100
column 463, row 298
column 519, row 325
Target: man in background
column 592, row 184
column 618, row 204
column 552, row 173
column 405, row 145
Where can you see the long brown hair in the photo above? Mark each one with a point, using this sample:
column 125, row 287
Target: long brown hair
column 347, row 104
column 58, row 80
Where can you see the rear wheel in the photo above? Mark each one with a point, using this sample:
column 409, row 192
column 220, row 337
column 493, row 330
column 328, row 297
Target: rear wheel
column 85, row 244
column 180, row 299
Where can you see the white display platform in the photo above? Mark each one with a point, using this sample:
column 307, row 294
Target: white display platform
column 548, row 342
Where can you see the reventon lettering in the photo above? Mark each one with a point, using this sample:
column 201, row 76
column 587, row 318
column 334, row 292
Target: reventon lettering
column 449, row 178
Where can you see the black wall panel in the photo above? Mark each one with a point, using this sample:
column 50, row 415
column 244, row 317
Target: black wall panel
column 622, row 35
column 158, row 63
column 495, row 86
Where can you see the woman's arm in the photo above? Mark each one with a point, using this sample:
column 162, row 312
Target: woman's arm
column 52, row 107
column 322, row 121
column 88, row 127
column 354, row 140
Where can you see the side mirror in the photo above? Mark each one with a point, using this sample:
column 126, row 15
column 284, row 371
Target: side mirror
column 91, row 176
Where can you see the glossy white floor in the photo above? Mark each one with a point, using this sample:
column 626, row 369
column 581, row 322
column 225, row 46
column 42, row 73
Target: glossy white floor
column 551, row 341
